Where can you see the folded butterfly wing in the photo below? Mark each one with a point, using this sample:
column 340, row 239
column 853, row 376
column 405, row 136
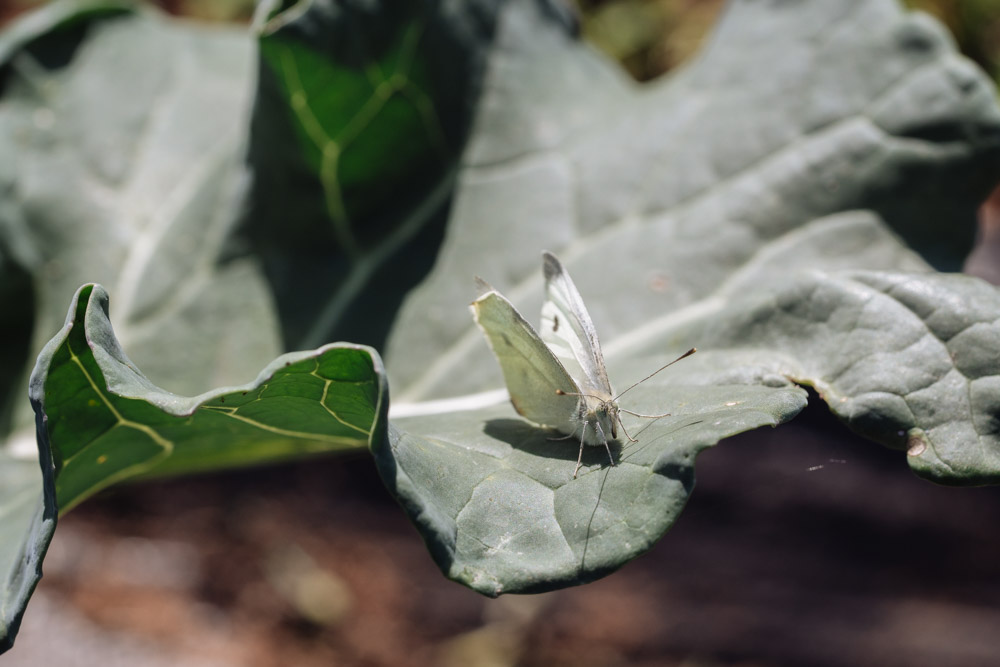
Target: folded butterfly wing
column 533, row 374
column 569, row 332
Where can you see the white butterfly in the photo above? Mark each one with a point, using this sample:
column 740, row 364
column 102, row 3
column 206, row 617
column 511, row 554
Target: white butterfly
column 559, row 379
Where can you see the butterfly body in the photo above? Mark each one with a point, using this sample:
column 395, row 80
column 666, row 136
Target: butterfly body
column 596, row 420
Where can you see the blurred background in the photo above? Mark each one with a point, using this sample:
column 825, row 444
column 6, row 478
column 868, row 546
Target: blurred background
column 802, row 546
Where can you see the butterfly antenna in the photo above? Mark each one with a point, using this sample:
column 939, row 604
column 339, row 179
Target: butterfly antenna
column 683, row 356
column 560, row 392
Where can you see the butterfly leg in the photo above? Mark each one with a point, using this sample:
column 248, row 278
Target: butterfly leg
column 636, row 414
column 579, row 457
column 624, row 430
column 600, row 432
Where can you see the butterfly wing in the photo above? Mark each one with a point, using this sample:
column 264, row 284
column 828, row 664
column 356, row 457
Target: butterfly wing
column 569, row 332
column 531, row 371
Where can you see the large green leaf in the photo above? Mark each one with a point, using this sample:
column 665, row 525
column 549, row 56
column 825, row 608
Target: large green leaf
column 100, row 422
column 908, row 360
column 747, row 160
column 496, row 500
column 359, row 122
column 715, row 208
column 28, row 520
column 105, row 422
column 123, row 136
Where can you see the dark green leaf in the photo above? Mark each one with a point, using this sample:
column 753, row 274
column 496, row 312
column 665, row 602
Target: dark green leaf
column 100, row 422
column 693, row 212
column 125, row 169
column 359, row 123
column 105, row 422
column 496, row 500
column 123, row 137
column 909, row 360
column 28, row 513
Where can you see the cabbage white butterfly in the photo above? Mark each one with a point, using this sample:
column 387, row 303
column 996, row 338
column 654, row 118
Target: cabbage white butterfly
column 557, row 379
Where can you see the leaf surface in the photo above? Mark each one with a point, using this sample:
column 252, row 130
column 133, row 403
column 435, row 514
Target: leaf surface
column 908, row 360
column 729, row 206
column 126, row 133
column 123, row 140
column 781, row 203
column 106, row 422
column 495, row 498
column 100, row 422
column 358, row 126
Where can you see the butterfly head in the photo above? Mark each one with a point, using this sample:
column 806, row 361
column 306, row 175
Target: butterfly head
column 598, row 417
column 608, row 416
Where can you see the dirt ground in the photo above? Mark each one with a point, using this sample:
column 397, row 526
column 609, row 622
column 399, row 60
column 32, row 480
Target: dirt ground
column 800, row 546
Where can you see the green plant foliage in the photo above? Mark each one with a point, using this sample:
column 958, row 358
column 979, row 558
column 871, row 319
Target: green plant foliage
column 123, row 147
column 100, row 422
column 358, row 127
column 29, row 512
column 908, row 360
column 783, row 202
column 725, row 207
column 495, row 496
column 106, row 422
column 125, row 136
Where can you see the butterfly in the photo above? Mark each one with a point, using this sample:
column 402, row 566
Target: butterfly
column 557, row 380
